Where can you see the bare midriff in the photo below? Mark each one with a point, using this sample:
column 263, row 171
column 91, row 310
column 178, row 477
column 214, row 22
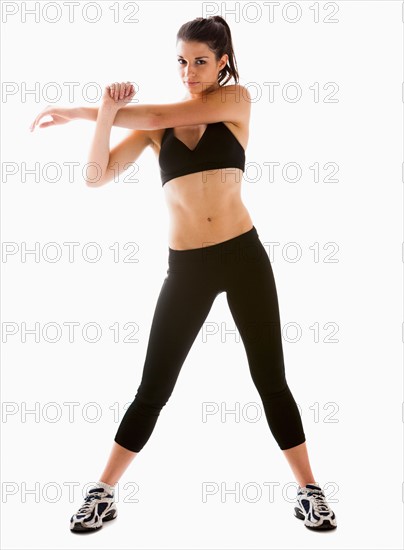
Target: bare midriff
column 205, row 208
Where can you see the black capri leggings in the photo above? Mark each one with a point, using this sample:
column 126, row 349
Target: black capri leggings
column 240, row 267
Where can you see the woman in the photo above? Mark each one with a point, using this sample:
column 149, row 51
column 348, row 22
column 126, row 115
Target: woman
column 214, row 247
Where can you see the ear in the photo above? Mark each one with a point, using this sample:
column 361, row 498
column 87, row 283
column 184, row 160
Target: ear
column 224, row 59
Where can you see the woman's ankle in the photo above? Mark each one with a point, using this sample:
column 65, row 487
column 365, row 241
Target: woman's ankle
column 106, row 486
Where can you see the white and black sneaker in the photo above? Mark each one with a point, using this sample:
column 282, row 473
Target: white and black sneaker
column 99, row 505
column 312, row 507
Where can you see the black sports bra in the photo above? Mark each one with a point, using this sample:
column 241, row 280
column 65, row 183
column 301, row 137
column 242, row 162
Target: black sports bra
column 217, row 148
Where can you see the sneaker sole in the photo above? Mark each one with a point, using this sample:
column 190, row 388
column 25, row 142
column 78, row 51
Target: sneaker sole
column 324, row 526
column 79, row 528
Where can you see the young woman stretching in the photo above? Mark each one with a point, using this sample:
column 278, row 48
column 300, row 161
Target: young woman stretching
column 214, row 247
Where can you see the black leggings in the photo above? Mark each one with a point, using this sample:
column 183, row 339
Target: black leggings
column 240, row 267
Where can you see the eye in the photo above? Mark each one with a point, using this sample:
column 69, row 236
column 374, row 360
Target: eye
column 201, row 61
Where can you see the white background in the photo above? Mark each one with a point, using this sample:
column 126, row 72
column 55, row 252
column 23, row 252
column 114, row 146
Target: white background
column 349, row 390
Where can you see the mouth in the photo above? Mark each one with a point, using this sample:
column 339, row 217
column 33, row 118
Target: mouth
column 189, row 83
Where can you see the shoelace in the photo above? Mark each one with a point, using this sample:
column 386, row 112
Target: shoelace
column 319, row 502
column 88, row 503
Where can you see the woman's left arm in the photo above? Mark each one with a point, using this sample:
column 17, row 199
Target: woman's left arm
column 226, row 104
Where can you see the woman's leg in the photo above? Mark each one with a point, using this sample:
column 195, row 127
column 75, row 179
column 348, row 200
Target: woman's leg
column 253, row 302
column 300, row 465
column 118, row 461
column 183, row 304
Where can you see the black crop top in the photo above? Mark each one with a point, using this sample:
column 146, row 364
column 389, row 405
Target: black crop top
column 217, row 148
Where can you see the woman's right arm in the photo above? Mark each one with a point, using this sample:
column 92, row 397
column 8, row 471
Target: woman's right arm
column 114, row 98
column 98, row 158
column 103, row 164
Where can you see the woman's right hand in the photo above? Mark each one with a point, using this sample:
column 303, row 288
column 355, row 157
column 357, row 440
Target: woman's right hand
column 60, row 115
column 118, row 95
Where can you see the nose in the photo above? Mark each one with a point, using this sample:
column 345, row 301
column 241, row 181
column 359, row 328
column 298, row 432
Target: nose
column 188, row 70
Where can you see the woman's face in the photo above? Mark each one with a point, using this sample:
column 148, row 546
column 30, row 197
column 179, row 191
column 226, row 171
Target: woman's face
column 197, row 66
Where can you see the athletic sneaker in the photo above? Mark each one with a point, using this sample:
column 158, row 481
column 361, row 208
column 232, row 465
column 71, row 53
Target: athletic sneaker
column 99, row 505
column 313, row 508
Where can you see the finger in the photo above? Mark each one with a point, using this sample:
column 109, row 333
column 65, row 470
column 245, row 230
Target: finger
column 43, row 113
column 116, row 95
column 37, row 119
column 46, row 124
column 121, row 90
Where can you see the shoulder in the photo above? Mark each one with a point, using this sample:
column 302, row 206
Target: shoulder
column 238, row 100
column 238, row 91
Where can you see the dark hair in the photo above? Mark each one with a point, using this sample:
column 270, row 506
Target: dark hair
column 210, row 31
